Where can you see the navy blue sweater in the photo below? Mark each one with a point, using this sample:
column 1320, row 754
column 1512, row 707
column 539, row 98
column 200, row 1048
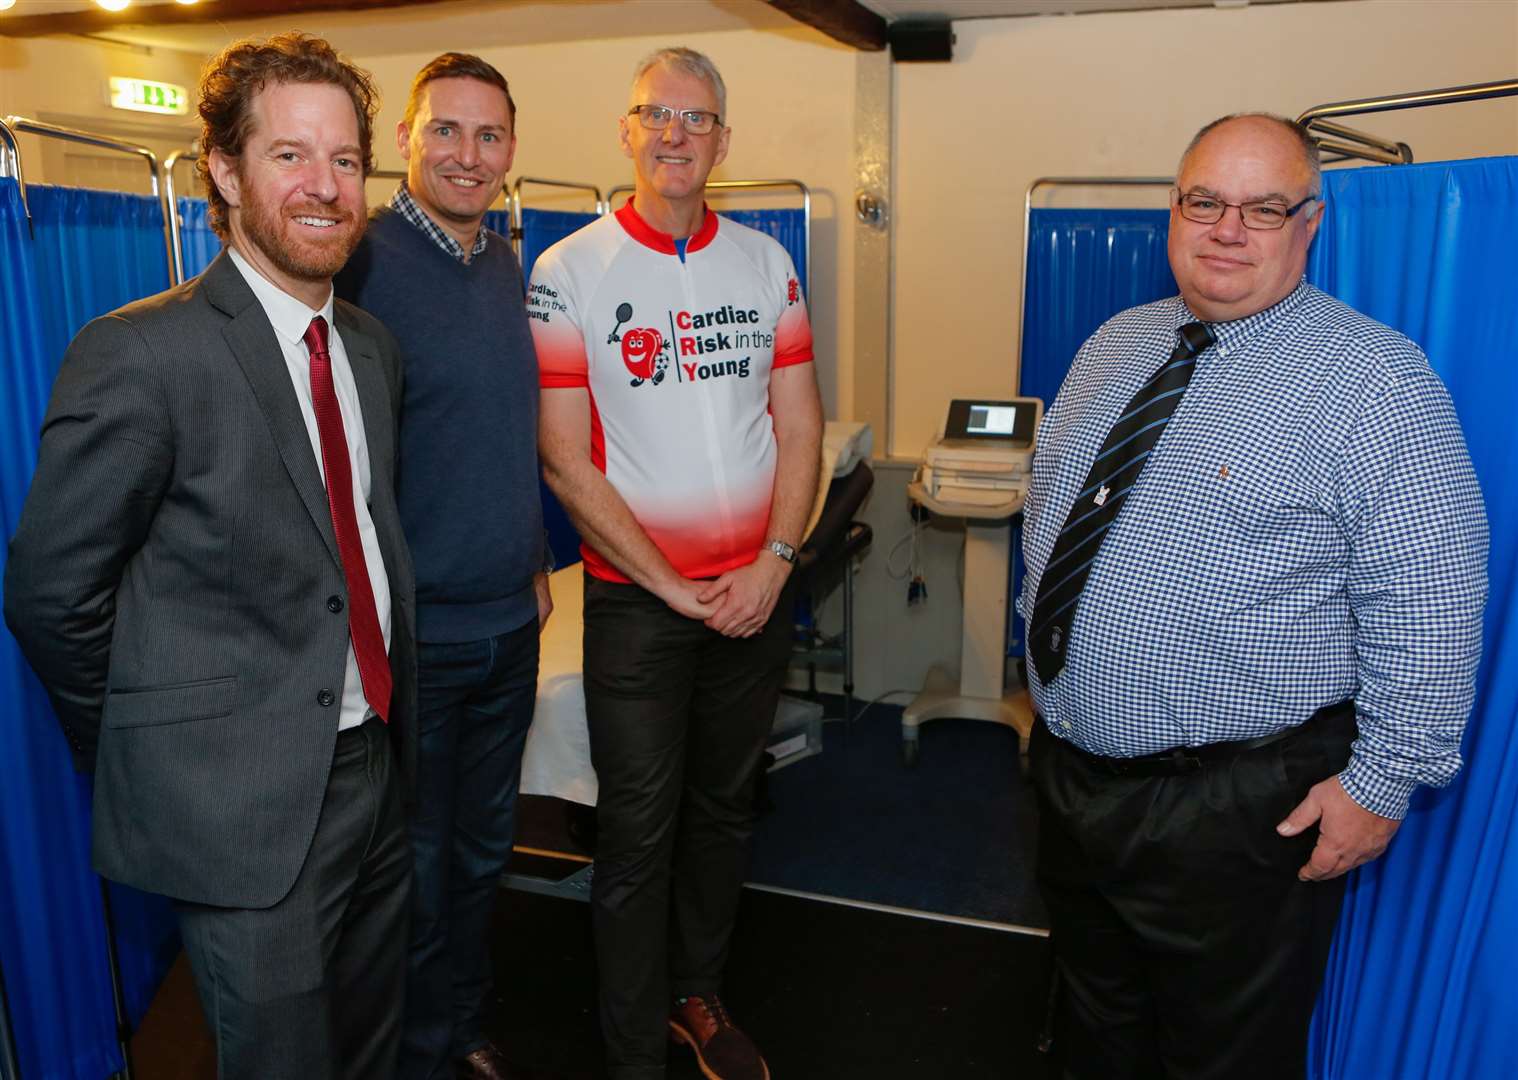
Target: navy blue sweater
column 468, row 471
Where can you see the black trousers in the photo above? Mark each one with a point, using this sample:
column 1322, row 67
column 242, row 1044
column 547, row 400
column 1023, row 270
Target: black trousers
column 678, row 718
column 1184, row 944
column 311, row 988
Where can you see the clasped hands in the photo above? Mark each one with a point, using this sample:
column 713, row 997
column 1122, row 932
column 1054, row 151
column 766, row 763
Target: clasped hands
column 737, row 604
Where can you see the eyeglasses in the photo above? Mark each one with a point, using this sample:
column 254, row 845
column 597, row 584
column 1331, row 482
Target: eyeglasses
column 1209, row 210
column 658, row 117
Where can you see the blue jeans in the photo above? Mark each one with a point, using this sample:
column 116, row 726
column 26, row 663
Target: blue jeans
column 475, row 702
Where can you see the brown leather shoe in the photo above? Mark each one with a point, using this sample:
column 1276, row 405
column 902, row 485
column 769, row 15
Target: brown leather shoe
column 486, row 1063
column 722, row 1051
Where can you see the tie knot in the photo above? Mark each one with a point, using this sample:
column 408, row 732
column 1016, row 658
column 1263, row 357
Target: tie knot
column 316, row 336
column 1195, row 336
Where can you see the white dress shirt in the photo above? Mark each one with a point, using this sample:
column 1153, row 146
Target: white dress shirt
column 290, row 318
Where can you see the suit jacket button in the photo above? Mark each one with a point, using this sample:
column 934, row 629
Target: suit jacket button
column 325, row 697
column 334, row 604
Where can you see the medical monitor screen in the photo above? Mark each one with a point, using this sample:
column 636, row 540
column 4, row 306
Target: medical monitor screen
column 991, row 419
column 1005, row 421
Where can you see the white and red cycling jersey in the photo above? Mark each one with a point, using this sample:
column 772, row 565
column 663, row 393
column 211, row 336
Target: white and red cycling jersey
column 675, row 341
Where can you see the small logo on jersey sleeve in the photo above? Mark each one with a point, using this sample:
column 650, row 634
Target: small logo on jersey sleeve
column 792, row 291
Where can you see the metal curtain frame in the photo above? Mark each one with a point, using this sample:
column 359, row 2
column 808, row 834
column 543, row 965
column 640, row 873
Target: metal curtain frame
column 741, row 185
column 1371, row 148
column 104, row 142
column 514, row 203
column 10, row 161
column 1066, row 181
column 176, row 243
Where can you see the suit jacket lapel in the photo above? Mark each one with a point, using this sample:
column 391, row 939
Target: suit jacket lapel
column 257, row 351
column 373, row 394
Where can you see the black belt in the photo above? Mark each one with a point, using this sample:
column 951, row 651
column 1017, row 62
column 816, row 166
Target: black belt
column 1189, row 759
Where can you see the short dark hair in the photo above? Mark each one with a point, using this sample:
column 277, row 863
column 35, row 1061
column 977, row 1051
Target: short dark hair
column 233, row 78
column 457, row 65
column 1310, row 154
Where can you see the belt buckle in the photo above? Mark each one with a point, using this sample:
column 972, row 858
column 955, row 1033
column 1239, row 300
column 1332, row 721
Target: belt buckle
column 1184, row 761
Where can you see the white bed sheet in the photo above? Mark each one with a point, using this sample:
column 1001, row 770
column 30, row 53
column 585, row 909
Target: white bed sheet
column 557, row 758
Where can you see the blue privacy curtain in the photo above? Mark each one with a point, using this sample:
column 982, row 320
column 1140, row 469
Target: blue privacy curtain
column 198, row 245
column 1421, row 983
column 52, row 937
column 788, row 227
column 95, row 250
column 542, row 229
column 1084, row 266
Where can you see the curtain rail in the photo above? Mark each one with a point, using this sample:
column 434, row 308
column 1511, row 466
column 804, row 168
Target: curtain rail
column 1368, row 147
column 747, row 185
column 104, row 142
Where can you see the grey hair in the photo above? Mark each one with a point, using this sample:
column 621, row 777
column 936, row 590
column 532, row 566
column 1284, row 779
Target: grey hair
column 688, row 62
column 1310, row 156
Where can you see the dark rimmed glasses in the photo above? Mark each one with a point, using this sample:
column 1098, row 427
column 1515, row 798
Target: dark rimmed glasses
column 659, row 117
column 1209, row 210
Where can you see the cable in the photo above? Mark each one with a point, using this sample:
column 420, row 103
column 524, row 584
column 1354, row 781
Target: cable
column 877, row 700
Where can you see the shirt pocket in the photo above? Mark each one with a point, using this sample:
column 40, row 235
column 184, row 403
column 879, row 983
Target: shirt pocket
column 174, row 703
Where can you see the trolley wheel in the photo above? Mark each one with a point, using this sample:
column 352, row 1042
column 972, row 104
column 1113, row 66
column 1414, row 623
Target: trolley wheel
column 909, row 751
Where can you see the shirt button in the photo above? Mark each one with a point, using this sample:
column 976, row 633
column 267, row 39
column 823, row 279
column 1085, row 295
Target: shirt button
column 1065, row 724
column 325, row 697
column 334, row 604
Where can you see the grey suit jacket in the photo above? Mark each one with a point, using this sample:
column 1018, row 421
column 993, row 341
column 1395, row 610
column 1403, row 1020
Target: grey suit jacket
column 174, row 578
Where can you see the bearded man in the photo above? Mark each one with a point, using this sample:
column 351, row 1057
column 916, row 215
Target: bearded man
column 210, row 579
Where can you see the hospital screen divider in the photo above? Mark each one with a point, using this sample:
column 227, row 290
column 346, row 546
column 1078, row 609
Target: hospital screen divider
column 53, row 944
column 1420, row 979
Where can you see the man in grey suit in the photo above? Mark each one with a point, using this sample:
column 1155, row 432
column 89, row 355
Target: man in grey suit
column 210, row 579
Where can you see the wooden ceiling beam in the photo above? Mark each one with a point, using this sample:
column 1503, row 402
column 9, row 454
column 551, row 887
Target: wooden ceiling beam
column 99, row 21
column 844, row 21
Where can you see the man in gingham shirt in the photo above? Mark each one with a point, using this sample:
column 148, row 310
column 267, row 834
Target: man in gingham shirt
column 1274, row 645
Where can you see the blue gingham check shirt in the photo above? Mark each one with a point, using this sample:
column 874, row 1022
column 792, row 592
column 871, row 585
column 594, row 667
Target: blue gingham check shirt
column 404, row 205
column 1308, row 529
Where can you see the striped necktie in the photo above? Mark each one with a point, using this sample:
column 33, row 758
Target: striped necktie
column 1112, row 476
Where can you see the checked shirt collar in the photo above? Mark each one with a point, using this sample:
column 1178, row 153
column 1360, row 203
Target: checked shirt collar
column 404, row 205
column 1233, row 334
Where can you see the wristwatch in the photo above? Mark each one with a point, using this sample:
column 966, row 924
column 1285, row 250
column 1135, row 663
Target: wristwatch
column 781, row 549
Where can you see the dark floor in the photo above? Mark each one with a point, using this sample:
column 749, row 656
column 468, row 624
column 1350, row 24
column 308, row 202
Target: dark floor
column 829, row 992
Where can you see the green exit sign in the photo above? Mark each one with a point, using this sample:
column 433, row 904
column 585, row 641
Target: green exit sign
column 144, row 95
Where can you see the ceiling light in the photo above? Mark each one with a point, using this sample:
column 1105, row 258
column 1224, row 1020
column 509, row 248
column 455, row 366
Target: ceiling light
column 113, row 5
column 6, row 5
column 186, row 3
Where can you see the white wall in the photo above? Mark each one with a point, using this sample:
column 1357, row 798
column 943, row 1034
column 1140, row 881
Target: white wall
column 1120, row 94
column 65, row 81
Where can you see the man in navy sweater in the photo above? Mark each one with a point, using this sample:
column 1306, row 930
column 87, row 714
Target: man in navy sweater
column 450, row 291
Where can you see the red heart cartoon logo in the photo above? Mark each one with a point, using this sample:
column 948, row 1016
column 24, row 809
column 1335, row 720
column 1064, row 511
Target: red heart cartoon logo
column 640, row 348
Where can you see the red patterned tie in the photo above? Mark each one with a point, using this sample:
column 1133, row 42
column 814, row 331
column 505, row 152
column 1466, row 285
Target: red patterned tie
column 363, row 619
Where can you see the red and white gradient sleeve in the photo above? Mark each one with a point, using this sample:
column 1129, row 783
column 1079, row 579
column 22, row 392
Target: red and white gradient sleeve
column 556, row 335
column 793, row 332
